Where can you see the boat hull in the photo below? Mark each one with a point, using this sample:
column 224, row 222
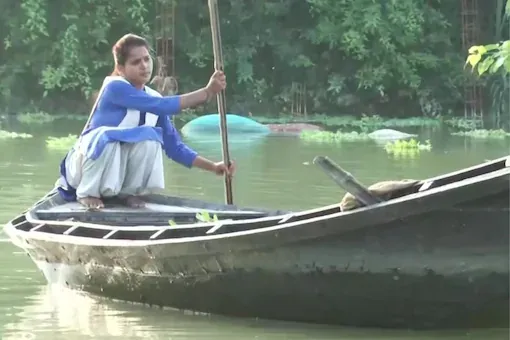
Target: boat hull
column 448, row 269
column 436, row 258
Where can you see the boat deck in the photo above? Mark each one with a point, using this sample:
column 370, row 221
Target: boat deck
column 152, row 213
column 75, row 207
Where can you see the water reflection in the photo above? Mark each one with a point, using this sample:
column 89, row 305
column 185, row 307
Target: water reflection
column 273, row 172
column 58, row 313
column 236, row 142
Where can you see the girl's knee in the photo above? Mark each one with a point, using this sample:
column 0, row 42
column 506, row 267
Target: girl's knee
column 147, row 146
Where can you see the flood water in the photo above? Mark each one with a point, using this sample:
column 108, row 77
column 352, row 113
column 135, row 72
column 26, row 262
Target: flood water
column 273, row 172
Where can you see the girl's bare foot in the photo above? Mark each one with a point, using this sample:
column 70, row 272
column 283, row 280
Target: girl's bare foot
column 134, row 202
column 92, row 203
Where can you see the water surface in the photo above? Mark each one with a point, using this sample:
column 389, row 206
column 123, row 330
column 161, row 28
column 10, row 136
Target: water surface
column 273, row 172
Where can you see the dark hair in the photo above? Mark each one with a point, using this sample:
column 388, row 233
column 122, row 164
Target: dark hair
column 122, row 48
column 120, row 53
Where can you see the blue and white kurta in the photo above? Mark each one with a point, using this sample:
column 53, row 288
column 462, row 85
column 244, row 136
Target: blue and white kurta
column 127, row 114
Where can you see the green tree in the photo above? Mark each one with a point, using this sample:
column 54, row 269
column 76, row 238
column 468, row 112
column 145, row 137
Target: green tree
column 356, row 56
column 62, row 50
column 494, row 60
column 387, row 49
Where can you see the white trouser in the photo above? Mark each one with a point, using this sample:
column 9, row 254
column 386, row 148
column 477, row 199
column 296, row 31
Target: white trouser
column 121, row 169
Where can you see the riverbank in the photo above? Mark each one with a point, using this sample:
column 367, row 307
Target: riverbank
column 325, row 120
column 345, row 123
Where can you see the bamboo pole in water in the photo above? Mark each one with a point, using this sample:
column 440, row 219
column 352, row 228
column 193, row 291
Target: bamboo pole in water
column 218, row 66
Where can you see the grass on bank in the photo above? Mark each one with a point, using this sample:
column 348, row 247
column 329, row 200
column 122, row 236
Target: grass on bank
column 483, row 134
column 365, row 123
column 372, row 122
column 322, row 119
column 35, row 118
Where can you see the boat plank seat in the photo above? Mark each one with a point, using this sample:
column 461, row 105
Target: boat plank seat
column 151, row 213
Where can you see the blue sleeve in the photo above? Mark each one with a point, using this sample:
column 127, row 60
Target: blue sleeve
column 125, row 95
column 174, row 148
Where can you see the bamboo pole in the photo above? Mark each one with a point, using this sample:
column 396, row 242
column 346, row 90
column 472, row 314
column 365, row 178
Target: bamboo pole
column 218, row 66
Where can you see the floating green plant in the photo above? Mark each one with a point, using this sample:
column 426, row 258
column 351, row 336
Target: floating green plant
column 61, row 143
column 13, row 135
column 405, row 154
column 408, row 148
column 202, row 216
column 75, row 117
column 462, row 123
column 333, row 137
column 412, row 122
column 35, row 118
column 366, row 121
column 483, row 134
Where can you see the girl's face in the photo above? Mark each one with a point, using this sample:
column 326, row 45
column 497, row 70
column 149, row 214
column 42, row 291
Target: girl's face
column 138, row 67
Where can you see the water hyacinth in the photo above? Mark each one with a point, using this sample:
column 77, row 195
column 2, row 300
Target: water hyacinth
column 407, row 148
column 202, row 216
column 365, row 121
column 483, row 134
column 333, row 137
column 13, row 135
column 35, row 118
column 61, row 143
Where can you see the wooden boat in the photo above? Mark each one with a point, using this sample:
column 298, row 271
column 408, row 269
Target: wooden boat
column 436, row 256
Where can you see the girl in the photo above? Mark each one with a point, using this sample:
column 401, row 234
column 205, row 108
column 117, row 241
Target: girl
column 120, row 152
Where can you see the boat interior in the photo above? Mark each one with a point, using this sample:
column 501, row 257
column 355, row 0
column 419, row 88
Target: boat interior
column 174, row 217
column 159, row 210
column 153, row 222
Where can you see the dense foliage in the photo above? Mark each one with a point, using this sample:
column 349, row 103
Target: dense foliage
column 387, row 57
column 493, row 60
